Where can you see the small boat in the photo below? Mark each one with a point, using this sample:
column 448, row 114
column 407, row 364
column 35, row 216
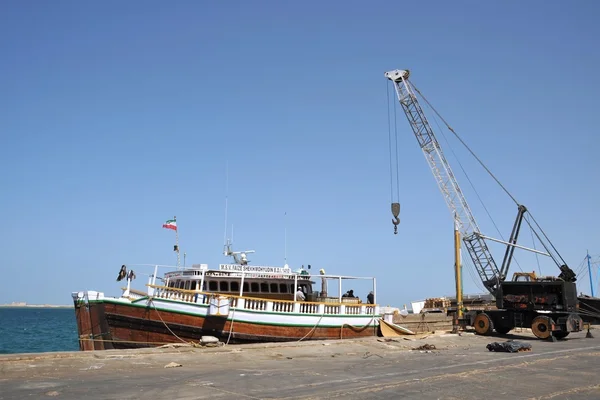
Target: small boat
column 235, row 303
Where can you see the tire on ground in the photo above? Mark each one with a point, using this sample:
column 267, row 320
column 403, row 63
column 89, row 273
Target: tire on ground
column 541, row 327
column 483, row 324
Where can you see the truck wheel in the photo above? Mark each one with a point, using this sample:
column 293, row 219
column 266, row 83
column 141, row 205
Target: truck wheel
column 483, row 324
column 541, row 327
column 503, row 330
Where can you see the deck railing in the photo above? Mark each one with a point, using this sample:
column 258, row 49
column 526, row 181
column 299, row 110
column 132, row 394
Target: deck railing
column 269, row 305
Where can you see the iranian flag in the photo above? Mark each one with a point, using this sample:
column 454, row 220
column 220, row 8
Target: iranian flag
column 170, row 224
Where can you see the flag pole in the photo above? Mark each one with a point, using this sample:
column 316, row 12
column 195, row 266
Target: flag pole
column 177, row 241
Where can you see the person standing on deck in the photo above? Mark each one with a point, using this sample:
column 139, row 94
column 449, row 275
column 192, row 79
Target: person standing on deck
column 300, row 294
column 370, row 298
column 323, row 283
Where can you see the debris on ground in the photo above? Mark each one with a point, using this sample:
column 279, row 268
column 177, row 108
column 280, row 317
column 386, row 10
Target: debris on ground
column 176, row 345
column 172, row 365
column 425, row 347
column 509, row 346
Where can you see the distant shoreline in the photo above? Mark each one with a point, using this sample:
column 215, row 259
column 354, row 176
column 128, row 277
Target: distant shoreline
column 34, row 306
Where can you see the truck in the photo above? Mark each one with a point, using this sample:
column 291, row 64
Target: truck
column 547, row 305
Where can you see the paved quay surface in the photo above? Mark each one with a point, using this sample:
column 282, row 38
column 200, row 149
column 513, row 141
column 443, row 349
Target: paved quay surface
column 460, row 368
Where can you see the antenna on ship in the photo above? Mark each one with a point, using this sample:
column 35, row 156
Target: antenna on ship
column 285, row 239
column 177, row 243
column 226, row 198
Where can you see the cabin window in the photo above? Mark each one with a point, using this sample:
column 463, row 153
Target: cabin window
column 224, row 286
column 264, row 287
column 187, row 285
column 246, row 287
column 254, row 287
column 235, row 286
column 193, row 286
column 212, row 285
column 283, row 288
column 274, row 288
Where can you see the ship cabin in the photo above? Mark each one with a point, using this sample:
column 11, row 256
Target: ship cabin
column 279, row 283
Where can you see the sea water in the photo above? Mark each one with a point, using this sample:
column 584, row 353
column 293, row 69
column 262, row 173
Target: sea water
column 37, row 330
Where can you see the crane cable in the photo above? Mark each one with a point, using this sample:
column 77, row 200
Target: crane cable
column 473, row 187
column 497, row 181
column 533, row 241
column 466, row 146
column 395, row 204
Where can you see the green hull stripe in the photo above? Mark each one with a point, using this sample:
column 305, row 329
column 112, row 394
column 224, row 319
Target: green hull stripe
column 134, row 304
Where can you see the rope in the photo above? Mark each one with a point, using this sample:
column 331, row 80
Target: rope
column 151, row 300
column 355, row 327
column 231, row 326
column 313, row 328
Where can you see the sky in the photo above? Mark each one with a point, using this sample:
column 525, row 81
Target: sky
column 270, row 118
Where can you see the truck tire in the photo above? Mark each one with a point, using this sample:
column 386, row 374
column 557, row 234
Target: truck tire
column 483, row 324
column 541, row 327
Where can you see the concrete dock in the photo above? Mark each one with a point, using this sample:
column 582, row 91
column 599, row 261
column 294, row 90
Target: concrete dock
column 460, row 367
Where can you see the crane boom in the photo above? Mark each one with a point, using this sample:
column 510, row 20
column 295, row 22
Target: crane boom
column 475, row 244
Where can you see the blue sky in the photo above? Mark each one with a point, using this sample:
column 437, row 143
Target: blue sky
column 114, row 117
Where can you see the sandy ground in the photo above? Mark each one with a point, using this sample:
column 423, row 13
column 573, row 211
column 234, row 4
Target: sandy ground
column 460, row 367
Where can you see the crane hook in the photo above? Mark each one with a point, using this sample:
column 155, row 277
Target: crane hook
column 396, row 219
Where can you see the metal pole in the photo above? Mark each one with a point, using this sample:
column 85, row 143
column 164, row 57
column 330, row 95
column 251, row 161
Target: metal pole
column 590, row 272
column 242, row 284
column 374, row 292
column 295, row 286
column 202, row 281
column 177, row 240
column 458, row 269
column 513, row 245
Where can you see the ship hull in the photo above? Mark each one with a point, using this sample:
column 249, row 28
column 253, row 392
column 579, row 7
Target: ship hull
column 590, row 309
column 147, row 322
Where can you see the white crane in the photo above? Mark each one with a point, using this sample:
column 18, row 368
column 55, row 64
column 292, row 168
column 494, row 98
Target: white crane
column 474, row 240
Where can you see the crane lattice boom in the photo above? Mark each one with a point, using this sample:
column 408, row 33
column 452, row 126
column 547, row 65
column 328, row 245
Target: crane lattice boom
column 453, row 195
